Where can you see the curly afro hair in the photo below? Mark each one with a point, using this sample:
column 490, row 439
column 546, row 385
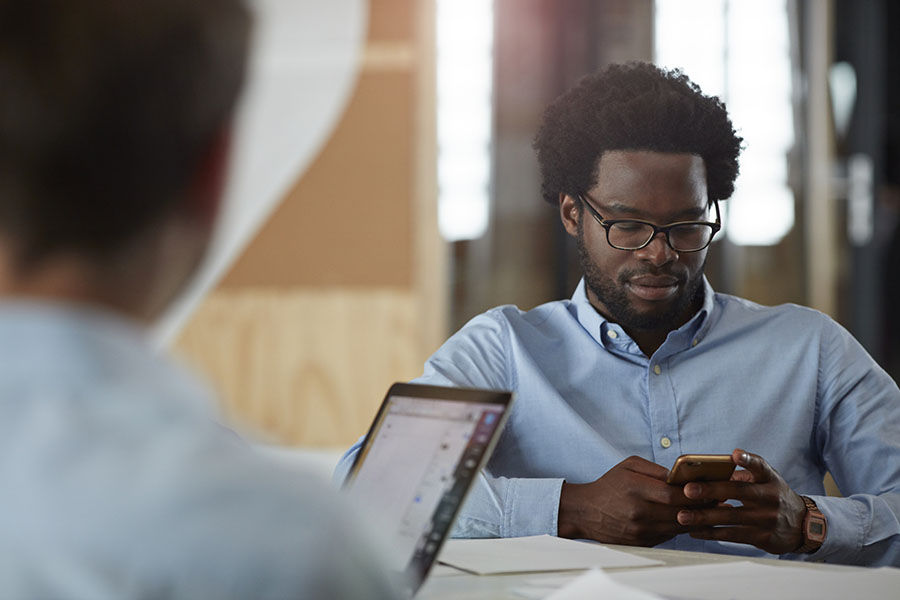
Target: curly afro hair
column 633, row 106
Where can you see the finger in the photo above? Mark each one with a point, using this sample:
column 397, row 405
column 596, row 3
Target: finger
column 643, row 466
column 658, row 515
column 640, row 528
column 673, row 529
column 670, row 529
column 659, row 492
column 739, row 534
column 729, row 490
column 728, row 515
column 647, row 520
column 709, row 518
column 755, row 464
column 742, row 475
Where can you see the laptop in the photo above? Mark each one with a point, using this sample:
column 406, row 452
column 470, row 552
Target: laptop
column 416, row 465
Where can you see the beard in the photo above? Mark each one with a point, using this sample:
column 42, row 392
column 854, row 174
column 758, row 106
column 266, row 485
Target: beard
column 614, row 295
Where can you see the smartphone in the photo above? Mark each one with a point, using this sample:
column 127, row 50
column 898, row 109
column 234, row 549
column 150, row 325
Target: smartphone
column 701, row 467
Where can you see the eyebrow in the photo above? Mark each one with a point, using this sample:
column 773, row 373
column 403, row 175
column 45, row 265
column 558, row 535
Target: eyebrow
column 689, row 214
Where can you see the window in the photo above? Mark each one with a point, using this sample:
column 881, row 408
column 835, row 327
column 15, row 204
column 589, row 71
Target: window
column 740, row 51
column 464, row 88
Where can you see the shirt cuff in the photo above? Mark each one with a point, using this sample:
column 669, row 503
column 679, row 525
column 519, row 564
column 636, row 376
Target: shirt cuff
column 342, row 469
column 843, row 537
column 531, row 507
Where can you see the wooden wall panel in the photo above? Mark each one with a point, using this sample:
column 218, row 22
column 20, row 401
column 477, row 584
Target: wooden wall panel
column 343, row 290
column 304, row 367
column 391, row 20
column 348, row 220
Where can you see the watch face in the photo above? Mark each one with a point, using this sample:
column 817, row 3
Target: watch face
column 815, row 529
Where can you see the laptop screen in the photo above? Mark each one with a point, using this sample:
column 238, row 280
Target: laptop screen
column 418, row 461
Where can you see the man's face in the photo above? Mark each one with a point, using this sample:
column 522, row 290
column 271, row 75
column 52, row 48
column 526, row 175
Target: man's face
column 654, row 288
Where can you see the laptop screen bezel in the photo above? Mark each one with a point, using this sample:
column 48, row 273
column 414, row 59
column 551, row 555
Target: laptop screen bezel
column 500, row 398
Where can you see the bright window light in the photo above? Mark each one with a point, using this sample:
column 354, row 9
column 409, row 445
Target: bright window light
column 740, row 51
column 465, row 37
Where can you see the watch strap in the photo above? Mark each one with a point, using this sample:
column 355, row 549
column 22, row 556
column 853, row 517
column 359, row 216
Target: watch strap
column 812, row 514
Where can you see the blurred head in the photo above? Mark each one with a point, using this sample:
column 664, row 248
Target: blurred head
column 113, row 118
column 640, row 143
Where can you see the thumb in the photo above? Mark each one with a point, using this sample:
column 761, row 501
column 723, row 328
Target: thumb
column 755, row 466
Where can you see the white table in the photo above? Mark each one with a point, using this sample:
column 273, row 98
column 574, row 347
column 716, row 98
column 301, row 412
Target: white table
column 446, row 583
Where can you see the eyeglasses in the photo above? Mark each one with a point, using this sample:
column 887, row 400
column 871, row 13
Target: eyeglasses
column 634, row 234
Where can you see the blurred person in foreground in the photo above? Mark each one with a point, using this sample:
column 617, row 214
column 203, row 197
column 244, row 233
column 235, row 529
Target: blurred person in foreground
column 647, row 362
column 117, row 481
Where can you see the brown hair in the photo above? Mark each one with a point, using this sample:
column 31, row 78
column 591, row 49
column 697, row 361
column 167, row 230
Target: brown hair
column 106, row 108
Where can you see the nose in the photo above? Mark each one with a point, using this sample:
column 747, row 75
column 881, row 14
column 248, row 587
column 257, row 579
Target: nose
column 658, row 252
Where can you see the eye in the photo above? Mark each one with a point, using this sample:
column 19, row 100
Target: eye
column 629, row 226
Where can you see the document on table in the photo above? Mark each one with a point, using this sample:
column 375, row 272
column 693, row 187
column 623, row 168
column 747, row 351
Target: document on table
column 746, row 580
column 589, row 586
column 741, row 580
column 534, row 553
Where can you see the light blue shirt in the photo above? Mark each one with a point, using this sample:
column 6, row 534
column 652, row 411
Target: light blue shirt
column 118, row 481
column 784, row 382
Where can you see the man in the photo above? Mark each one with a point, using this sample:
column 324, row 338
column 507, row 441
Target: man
column 117, row 481
column 646, row 362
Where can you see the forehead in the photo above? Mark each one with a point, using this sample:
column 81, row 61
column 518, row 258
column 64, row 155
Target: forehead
column 651, row 182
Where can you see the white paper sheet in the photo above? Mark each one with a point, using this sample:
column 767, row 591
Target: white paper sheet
column 533, row 554
column 540, row 587
column 591, row 585
column 745, row 580
column 597, row 584
column 445, row 571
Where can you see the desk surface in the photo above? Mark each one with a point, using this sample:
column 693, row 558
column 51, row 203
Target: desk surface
column 446, row 583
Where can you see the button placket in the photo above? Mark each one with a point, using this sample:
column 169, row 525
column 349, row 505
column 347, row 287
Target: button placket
column 663, row 410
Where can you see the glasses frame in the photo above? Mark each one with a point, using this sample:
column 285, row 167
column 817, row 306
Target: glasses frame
column 657, row 229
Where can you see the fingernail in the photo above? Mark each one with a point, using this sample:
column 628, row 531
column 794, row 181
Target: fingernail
column 685, row 517
column 692, row 490
column 745, row 458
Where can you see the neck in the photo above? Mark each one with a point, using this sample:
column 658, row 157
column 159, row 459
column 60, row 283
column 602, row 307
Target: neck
column 649, row 340
column 137, row 281
column 68, row 279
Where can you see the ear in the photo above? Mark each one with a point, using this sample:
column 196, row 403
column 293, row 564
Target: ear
column 570, row 213
column 208, row 181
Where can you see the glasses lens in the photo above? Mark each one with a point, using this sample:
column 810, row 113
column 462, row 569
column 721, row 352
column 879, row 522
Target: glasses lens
column 690, row 237
column 628, row 235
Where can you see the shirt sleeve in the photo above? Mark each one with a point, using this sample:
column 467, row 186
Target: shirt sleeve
column 509, row 507
column 496, row 506
column 859, row 438
column 479, row 355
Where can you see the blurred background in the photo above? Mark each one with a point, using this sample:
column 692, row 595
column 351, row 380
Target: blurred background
column 422, row 207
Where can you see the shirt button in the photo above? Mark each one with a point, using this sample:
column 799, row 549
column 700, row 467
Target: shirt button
column 656, row 369
column 695, row 342
column 665, row 442
column 612, row 334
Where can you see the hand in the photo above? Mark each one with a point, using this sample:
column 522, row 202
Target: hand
column 631, row 504
column 771, row 517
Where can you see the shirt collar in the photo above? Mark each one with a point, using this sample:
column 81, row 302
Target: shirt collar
column 609, row 334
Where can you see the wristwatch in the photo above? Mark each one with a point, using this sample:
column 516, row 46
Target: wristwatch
column 814, row 528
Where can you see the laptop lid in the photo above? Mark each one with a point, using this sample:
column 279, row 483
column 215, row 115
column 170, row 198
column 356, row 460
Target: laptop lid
column 416, row 465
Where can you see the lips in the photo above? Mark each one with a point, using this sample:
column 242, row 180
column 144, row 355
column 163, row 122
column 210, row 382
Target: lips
column 653, row 287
